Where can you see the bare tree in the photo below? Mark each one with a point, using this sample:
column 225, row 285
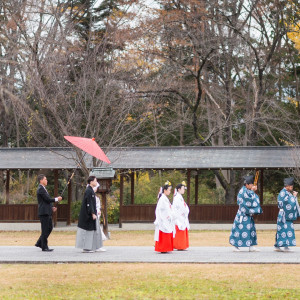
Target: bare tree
column 66, row 86
column 222, row 61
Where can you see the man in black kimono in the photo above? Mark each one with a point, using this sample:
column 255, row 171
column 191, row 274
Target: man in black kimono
column 45, row 210
column 86, row 237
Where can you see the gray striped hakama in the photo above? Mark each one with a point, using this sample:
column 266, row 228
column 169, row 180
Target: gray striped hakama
column 89, row 239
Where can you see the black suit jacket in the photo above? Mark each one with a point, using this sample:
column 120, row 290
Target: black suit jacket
column 44, row 201
column 88, row 207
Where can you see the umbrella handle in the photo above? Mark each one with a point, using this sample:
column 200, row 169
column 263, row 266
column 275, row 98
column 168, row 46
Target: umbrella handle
column 68, row 182
column 73, row 174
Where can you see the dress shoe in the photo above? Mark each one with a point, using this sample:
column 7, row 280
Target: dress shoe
column 39, row 246
column 47, row 250
column 87, row 251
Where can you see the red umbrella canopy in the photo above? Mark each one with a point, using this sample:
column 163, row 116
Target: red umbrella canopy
column 90, row 146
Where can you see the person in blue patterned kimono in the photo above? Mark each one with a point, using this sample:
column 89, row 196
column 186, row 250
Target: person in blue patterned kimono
column 288, row 212
column 243, row 232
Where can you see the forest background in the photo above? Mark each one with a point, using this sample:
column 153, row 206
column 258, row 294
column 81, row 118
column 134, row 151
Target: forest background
column 149, row 73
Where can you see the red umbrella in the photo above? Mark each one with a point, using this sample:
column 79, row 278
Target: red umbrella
column 90, row 146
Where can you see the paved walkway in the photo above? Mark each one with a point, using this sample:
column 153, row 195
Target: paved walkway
column 61, row 226
column 201, row 255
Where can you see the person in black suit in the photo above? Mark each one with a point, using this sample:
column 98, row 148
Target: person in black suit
column 45, row 210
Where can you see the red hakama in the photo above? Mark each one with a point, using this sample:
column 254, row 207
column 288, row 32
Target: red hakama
column 165, row 242
column 181, row 239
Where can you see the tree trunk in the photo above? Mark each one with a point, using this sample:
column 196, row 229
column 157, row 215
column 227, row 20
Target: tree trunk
column 230, row 192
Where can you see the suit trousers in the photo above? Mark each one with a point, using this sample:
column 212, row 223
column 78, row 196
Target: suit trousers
column 46, row 226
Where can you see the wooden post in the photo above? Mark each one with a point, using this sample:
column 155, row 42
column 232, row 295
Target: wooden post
column 7, row 186
column 196, row 187
column 132, row 187
column 188, row 186
column 55, row 195
column 121, row 197
column 69, row 203
column 105, row 219
column 137, row 176
column 261, row 187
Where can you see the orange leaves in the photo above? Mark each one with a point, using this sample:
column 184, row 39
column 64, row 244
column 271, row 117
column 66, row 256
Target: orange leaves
column 294, row 35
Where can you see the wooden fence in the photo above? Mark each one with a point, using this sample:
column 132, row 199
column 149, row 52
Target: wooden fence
column 27, row 212
column 204, row 213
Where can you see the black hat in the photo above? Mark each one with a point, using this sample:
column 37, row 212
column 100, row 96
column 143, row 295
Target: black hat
column 288, row 181
column 249, row 179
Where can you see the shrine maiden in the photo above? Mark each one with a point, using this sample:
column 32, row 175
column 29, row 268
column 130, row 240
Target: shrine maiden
column 181, row 218
column 243, row 232
column 164, row 226
column 288, row 212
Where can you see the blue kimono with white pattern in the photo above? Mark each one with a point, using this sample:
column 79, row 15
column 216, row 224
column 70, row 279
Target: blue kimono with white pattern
column 288, row 212
column 243, row 233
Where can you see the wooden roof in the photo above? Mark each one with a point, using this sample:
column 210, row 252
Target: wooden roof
column 156, row 158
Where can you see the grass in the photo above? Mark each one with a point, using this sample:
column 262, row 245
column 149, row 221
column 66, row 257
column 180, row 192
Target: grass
column 149, row 281
column 131, row 238
column 146, row 281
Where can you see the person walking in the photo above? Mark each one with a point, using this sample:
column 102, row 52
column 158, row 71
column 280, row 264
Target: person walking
column 164, row 226
column 288, row 212
column 181, row 218
column 99, row 232
column 45, row 211
column 243, row 232
column 86, row 238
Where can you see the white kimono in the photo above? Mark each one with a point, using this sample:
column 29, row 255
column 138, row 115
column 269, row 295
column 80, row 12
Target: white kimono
column 181, row 212
column 164, row 217
column 98, row 208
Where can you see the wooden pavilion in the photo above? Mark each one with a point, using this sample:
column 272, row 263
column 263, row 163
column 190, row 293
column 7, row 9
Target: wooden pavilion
column 192, row 160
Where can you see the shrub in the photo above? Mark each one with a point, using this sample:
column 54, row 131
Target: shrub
column 113, row 209
column 75, row 210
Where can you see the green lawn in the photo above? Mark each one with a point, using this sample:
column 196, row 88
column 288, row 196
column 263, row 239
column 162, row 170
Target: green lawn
column 149, row 281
